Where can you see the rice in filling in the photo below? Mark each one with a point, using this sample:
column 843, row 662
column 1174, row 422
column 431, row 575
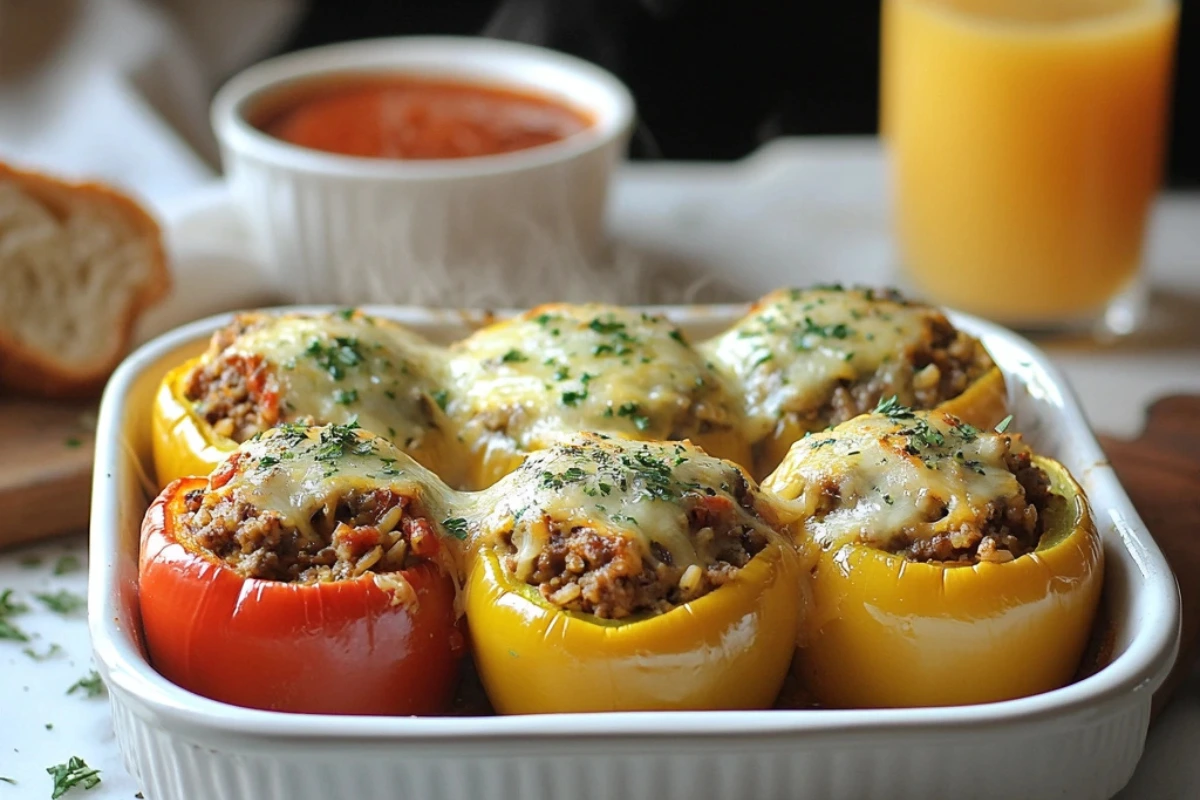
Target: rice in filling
column 236, row 394
column 1011, row 528
column 941, row 367
column 607, row 574
column 370, row 530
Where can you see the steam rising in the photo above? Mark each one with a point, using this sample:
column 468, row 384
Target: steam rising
column 489, row 249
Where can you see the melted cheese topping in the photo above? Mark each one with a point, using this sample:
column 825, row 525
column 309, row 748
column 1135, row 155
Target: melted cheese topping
column 297, row 471
column 339, row 367
column 797, row 346
column 559, row 369
column 616, row 486
column 868, row 479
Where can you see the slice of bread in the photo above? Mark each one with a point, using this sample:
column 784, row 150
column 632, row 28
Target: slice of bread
column 78, row 264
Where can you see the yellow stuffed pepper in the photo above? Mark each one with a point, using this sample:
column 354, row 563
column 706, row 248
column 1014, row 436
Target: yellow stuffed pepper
column 808, row 359
column 558, row 369
column 614, row 575
column 956, row 567
column 263, row 370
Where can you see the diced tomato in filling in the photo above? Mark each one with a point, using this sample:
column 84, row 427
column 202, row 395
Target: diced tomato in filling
column 375, row 530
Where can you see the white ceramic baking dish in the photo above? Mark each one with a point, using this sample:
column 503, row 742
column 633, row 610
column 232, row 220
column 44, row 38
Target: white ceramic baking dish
column 1079, row 741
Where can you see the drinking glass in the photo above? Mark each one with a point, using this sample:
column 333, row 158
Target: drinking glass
column 1026, row 142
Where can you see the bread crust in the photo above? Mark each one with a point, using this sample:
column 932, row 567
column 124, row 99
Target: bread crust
column 29, row 371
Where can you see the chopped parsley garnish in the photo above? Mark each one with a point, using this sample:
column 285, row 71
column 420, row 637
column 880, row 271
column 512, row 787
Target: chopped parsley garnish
column 441, row 397
column 640, row 421
column 677, row 335
column 764, row 358
column 926, row 434
column 338, row 440
column 267, row 461
column 73, row 442
column 62, row 601
column 572, row 397
column 835, row 331
column 892, row 407
column 344, row 397
column 1004, row 423
column 653, row 476
column 9, row 607
column 346, row 313
column 11, row 632
column 89, row 684
column 46, row 656
column 611, row 326
column 29, row 562
column 74, row 773
column 456, row 527
column 336, row 357
column 550, row 480
column 543, row 319
column 66, row 564
column 513, row 357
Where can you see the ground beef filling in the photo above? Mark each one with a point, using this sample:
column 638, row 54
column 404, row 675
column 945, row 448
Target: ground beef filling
column 937, row 369
column 1012, row 526
column 371, row 530
column 608, row 574
column 236, row 394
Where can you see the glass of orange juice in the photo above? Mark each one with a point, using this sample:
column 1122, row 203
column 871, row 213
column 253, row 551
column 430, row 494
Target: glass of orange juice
column 1026, row 142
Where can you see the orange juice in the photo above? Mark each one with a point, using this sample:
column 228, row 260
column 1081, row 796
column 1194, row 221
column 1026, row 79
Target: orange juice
column 1026, row 140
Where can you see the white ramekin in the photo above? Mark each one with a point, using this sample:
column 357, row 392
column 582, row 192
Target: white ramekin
column 1080, row 741
column 468, row 232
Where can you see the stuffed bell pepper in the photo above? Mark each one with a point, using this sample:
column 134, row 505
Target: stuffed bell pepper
column 558, row 369
column 262, row 370
column 808, row 359
column 616, row 575
column 310, row 573
column 955, row 565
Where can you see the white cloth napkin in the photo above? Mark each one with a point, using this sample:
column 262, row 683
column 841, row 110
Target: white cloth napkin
column 118, row 91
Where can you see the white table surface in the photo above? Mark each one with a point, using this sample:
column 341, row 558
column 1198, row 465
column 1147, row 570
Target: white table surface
column 799, row 211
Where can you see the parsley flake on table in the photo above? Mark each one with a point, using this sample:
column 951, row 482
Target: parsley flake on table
column 8, row 780
column 46, row 656
column 9, row 607
column 62, row 601
column 66, row 564
column 74, row 773
column 89, row 684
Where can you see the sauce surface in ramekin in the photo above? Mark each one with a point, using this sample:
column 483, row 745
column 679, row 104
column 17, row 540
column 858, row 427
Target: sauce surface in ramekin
column 416, row 118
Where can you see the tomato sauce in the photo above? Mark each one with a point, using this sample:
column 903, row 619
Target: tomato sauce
column 404, row 117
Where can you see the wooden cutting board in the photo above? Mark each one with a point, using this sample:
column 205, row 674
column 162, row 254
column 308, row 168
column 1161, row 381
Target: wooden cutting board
column 1161, row 473
column 45, row 468
column 46, row 463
